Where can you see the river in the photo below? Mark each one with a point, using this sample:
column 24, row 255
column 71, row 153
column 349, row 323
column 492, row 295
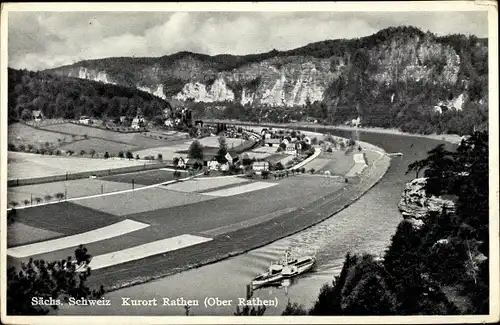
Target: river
column 365, row 226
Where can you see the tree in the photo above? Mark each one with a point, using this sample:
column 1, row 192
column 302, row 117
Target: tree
column 48, row 197
column 57, row 280
column 82, row 152
column 221, row 153
column 38, row 199
column 11, row 216
column 175, row 161
column 26, row 201
column 279, row 166
column 60, row 196
column 120, row 154
column 294, row 309
column 92, row 153
column 160, row 157
column 129, row 155
column 13, row 204
column 106, row 155
column 137, row 157
column 195, row 150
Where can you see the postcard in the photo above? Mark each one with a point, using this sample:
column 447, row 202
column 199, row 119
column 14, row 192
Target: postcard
column 249, row 163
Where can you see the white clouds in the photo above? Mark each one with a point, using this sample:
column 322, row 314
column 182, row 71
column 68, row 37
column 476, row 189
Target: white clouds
column 43, row 40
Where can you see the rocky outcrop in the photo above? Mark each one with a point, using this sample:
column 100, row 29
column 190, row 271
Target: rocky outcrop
column 84, row 73
column 155, row 90
column 217, row 92
column 415, row 205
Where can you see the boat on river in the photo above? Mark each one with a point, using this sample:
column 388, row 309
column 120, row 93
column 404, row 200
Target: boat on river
column 285, row 269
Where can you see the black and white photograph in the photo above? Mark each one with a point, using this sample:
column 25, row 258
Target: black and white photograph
column 285, row 161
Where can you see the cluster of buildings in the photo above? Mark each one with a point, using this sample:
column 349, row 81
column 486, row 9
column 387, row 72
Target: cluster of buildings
column 290, row 141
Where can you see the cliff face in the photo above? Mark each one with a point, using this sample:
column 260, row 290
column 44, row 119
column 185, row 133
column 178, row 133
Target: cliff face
column 415, row 204
column 363, row 67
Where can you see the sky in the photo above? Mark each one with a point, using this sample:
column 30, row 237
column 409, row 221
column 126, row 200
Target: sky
column 42, row 40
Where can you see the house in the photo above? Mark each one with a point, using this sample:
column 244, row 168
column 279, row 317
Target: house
column 181, row 163
column 290, row 149
column 272, row 142
column 224, row 167
column 213, row 164
column 37, row 115
column 84, row 120
column 169, row 122
column 137, row 123
column 260, row 166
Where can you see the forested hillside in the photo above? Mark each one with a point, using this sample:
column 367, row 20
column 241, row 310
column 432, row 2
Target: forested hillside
column 65, row 97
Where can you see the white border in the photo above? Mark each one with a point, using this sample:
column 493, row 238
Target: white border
column 490, row 6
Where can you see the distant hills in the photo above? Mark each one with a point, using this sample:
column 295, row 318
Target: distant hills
column 400, row 77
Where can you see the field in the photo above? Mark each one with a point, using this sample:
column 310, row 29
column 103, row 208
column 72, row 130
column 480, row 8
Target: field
column 205, row 184
column 72, row 188
column 337, row 162
column 22, row 134
column 150, row 199
column 99, row 145
column 19, row 233
column 25, row 165
column 134, row 139
column 66, row 218
column 145, row 178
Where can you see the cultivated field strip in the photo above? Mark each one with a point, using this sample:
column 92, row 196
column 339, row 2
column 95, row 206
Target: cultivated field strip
column 114, row 230
column 240, row 189
column 202, row 184
column 247, row 223
column 145, row 250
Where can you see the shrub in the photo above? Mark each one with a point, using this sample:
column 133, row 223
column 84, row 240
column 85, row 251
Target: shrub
column 60, row 196
column 70, row 152
column 329, row 149
column 48, row 197
column 137, row 157
column 175, row 161
column 82, row 152
column 121, row 155
column 58, row 152
column 26, row 201
column 312, row 170
column 13, row 204
column 22, row 147
column 38, row 199
column 106, row 155
column 11, row 147
column 279, row 166
column 302, row 170
column 160, row 157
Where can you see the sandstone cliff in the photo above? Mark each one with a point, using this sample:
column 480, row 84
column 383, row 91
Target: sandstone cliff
column 388, row 68
column 415, row 205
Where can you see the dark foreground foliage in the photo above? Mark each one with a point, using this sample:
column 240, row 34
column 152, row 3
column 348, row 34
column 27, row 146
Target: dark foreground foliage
column 56, row 280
